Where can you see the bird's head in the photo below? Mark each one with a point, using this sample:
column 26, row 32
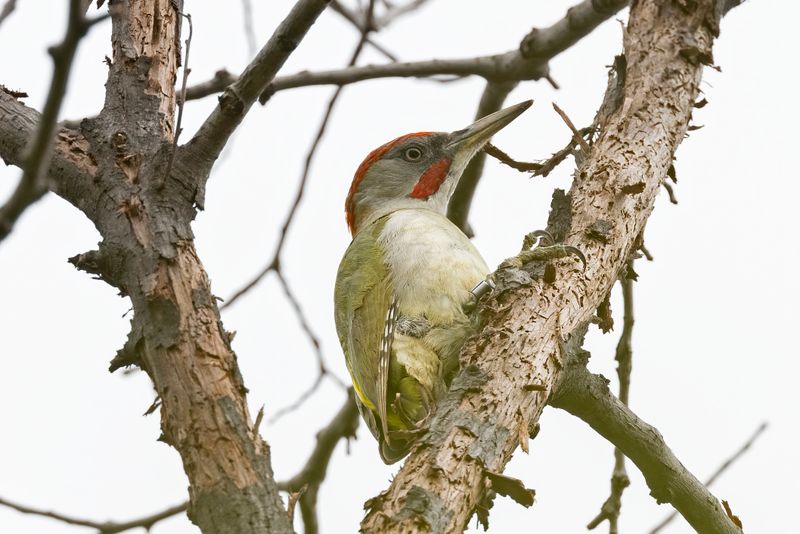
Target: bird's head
column 419, row 170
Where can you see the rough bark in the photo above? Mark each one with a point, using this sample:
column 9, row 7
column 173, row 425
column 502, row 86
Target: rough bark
column 113, row 170
column 510, row 368
column 147, row 252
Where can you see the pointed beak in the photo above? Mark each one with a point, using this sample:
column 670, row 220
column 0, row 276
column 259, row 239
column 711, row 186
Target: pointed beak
column 472, row 138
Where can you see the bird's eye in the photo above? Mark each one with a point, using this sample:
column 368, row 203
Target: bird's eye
column 412, row 154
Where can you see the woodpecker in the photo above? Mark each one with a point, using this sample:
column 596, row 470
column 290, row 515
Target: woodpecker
column 405, row 279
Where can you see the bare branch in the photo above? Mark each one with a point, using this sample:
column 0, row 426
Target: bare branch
column 586, row 395
column 107, row 527
column 8, row 8
column 395, row 12
column 527, row 63
column 611, row 508
column 477, row 424
column 274, row 263
column 576, row 135
column 579, row 22
column 31, row 186
column 238, row 98
column 71, row 164
column 311, row 476
column 721, row 469
column 222, row 79
column 360, row 25
column 249, row 32
column 540, row 168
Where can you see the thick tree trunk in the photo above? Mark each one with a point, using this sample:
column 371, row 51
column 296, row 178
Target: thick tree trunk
column 148, row 253
column 509, row 370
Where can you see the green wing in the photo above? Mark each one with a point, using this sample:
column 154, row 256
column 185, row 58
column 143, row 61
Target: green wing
column 362, row 302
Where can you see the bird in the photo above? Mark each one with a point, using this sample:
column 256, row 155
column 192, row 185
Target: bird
column 405, row 283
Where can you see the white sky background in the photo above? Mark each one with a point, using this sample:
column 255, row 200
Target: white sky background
column 714, row 344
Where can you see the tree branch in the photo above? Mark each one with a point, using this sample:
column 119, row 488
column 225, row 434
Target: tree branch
column 360, row 23
column 107, row 527
column 31, row 186
column 511, row 366
column 721, row 469
column 238, row 98
column 579, row 22
column 275, row 261
column 311, row 476
column 586, row 395
column 71, row 164
column 611, row 508
column 8, row 9
column 527, row 63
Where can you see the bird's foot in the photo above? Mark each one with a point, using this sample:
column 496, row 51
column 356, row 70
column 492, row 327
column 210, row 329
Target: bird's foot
column 540, row 246
column 416, row 424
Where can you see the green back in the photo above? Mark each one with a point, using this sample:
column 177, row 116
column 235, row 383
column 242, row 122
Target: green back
column 361, row 299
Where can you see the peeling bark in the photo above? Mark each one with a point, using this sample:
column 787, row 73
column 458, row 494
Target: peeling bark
column 527, row 321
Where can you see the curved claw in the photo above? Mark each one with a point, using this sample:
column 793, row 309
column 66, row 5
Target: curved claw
column 537, row 238
column 577, row 252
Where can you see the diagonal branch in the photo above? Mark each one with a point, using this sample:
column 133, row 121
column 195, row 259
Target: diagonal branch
column 8, row 9
column 362, row 26
column 505, row 379
column 238, row 98
column 31, row 185
column 71, row 164
column 586, row 395
column 274, row 265
column 529, row 62
column 721, row 469
column 107, row 527
column 579, row 21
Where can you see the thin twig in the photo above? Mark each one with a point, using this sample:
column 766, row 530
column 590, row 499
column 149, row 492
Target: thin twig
column 542, row 168
column 358, row 22
column 181, row 100
column 31, row 186
column 249, row 32
column 8, row 8
column 513, row 65
column 274, row 264
column 311, row 476
column 670, row 192
column 212, row 136
column 575, row 133
column 399, row 11
column 721, row 469
column 505, row 159
column 107, row 527
column 612, row 507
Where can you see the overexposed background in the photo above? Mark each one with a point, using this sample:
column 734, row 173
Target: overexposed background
column 715, row 348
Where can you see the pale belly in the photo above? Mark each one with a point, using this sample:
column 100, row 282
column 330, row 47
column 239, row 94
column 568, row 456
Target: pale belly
column 433, row 265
